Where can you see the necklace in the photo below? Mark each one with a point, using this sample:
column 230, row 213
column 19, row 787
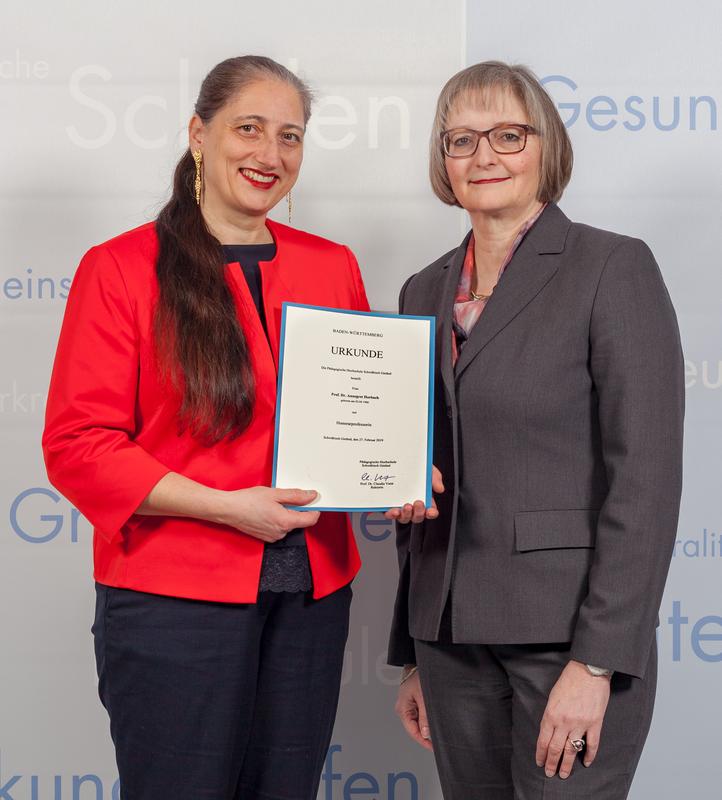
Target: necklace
column 476, row 296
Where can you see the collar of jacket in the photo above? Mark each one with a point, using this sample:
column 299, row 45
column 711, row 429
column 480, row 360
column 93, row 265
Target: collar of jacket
column 524, row 277
column 279, row 276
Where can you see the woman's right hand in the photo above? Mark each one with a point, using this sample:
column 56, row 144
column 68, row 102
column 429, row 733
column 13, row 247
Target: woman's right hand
column 261, row 511
column 416, row 512
column 411, row 709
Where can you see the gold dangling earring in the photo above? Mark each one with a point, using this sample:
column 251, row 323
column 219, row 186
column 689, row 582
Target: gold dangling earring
column 198, row 158
column 290, row 205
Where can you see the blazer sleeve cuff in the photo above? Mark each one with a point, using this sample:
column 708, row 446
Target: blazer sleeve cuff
column 111, row 502
column 615, row 655
column 401, row 651
column 401, row 644
column 121, row 517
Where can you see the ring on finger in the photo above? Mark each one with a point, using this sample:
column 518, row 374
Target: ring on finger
column 577, row 744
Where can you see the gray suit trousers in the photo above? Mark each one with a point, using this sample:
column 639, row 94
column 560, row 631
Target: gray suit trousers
column 485, row 704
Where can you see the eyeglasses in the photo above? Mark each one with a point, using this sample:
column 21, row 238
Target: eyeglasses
column 505, row 139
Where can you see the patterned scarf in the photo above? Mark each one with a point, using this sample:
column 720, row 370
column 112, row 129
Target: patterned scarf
column 467, row 310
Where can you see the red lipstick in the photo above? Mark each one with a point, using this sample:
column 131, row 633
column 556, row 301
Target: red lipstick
column 248, row 173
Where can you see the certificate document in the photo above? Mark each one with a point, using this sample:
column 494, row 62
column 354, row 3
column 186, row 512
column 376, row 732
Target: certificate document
column 353, row 417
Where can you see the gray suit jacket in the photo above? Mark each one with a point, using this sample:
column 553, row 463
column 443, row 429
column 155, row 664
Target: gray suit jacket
column 559, row 436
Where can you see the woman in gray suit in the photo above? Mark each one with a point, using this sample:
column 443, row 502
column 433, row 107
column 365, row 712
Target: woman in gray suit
column 525, row 616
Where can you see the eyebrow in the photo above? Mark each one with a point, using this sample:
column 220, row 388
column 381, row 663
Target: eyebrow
column 264, row 120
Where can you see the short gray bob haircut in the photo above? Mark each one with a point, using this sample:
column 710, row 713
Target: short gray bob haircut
column 478, row 83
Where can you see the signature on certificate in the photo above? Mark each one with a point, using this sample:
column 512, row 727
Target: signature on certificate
column 378, row 477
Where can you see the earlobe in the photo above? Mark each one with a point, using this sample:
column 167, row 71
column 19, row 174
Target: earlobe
column 195, row 132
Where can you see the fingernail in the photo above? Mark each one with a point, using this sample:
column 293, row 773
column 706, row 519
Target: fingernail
column 586, row 763
column 540, row 763
column 563, row 775
column 425, row 733
column 309, row 492
column 549, row 773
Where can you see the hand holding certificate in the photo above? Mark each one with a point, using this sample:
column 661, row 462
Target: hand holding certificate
column 353, row 418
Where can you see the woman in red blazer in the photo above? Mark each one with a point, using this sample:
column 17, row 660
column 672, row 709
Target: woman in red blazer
column 221, row 614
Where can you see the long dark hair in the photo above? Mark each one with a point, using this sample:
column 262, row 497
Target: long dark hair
column 198, row 338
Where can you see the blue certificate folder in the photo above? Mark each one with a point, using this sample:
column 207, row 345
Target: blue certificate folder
column 430, row 422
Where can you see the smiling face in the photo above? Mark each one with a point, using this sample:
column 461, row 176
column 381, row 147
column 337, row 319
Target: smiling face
column 252, row 151
column 490, row 183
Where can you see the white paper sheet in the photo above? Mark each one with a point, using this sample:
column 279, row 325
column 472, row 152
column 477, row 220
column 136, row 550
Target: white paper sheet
column 353, row 419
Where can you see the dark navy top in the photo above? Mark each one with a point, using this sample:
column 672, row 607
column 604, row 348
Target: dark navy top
column 285, row 563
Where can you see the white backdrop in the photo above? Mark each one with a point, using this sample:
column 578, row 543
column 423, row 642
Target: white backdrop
column 94, row 100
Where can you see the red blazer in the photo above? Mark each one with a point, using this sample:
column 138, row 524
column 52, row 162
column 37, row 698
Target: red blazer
column 111, row 429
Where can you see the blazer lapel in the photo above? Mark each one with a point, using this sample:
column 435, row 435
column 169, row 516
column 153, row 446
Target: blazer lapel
column 278, row 277
column 530, row 269
column 448, row 284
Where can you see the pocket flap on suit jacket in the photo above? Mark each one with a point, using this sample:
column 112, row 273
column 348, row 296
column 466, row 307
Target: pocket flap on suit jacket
column 542, row 530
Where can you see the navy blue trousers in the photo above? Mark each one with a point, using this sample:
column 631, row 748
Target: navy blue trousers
column 217, row 701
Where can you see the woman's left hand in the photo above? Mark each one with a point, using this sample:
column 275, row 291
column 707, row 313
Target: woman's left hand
column 417, row 512
column 575, row 710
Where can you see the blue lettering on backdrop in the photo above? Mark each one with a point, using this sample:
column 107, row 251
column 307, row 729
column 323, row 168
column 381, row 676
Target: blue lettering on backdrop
column 599, row 106
column 360, row 784
column 36, row 288
column 630, row 105
column 79, row 785
column 602, row 112
column 79, row 780
column 708, row 545
column 24, row 501
column 374, row 527
column 371, row 519
column 392, row 786
column 700, row 633
column 573, row 107
column 350, row 790
column 7, row 786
